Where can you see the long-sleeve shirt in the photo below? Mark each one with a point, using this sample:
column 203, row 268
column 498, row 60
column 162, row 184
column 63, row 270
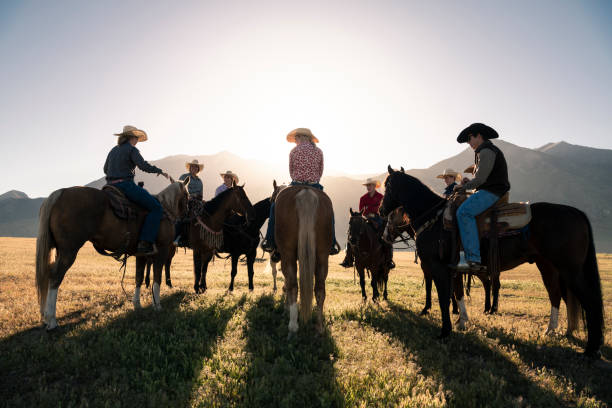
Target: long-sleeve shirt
column 306, row 163
column 122, row 161
column 486, row 160
column 221, row 189
column 370, row 205
column 195, row 186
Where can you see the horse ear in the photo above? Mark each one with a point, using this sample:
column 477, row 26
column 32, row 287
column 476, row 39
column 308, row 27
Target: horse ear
column 243, row 184
column 351, row 210
column 234, row 183
column 274, row 184
column 402, row 169
column 187, row 180
column 389, row 169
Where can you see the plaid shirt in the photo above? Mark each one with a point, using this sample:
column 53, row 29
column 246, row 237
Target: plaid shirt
column 306, row 163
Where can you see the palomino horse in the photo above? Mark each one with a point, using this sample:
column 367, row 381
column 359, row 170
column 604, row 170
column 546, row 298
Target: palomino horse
column 206, row 235
column 69, row 217
column 303, row 231
column 369, row 255
column 397, row 224
column 560, row 242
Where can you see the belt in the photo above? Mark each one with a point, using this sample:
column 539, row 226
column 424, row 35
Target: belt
column 116, row 181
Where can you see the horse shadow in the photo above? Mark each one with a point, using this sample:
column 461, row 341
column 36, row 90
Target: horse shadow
column 142, row 358
column 473, row 369
column 291, row 373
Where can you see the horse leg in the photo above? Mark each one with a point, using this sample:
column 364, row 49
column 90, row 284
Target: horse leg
column 158, row 264
column 551, row 283
column 361, row 273
column 273, row 266
column 251, row 272
column 167, row 266
column 454, row 303
column 206, row 258
column 147, row 279
column 460, row 296
column 141, row 262
column 375, row 294
column 320, row 276
column 234, row 271
column 289, row 268
column 428, row 281
column 495, row 285
column 442, row 279
column 64, row 260
column 197, row 269
column 386, row 279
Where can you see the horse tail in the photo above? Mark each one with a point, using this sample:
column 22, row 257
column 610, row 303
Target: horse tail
column 574, row 312
column 306, row 203
column 44, row 245
column 593, row 283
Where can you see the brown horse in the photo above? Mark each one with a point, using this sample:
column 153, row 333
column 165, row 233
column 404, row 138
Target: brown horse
column 303, row 231
column 206, row 235
column 365, row 243
column 70, row 217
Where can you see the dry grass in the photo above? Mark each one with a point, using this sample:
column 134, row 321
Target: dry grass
column 231, row 350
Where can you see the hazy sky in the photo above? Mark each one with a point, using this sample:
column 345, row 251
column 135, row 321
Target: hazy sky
column 377, row 82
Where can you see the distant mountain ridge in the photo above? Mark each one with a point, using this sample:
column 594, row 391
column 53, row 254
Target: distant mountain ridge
column 556, row 172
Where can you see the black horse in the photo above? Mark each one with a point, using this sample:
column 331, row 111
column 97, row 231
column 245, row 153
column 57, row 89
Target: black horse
column 239, row 239
column 369, row 255
column 560, row 242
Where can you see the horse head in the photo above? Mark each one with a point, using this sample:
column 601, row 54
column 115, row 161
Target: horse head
column 241, row 203
column 390, row 200
column 174, row 198
column 397, row 223
column 357, row 225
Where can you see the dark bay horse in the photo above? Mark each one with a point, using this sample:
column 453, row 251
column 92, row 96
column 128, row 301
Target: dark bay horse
column 560, row 242
column 69, row 217
column 207, row 236
column 239, row 239
column 398, row 223
column 369, row 255
column 303, row 232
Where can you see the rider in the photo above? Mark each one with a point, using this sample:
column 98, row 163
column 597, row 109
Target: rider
column 369, row 203
column 451, row 177
column 119, row 169
column 305, row 168
column 195, row 204
column 229, row 179
column 490, row 181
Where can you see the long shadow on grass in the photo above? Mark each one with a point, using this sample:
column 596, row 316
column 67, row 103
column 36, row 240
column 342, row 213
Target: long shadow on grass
column 143, row 358
column 471, row 369
column 288, row 373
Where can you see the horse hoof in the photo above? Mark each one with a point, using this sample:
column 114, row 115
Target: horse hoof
column 444, row 335
column 424, row 312
column 455, row 312
column 291, row 336
column 168, row 283
column 593, row 354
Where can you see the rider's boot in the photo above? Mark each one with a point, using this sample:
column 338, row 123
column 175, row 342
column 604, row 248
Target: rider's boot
column 145, row 248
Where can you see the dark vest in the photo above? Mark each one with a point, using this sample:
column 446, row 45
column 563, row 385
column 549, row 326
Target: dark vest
column 497, row 182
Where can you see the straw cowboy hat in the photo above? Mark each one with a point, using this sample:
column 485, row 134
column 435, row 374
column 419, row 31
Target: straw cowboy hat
column 372, row 181
column 474, row 129
column 449, row 172
column 195, row 162
column 229, row 173
column 301, row 132
column 133, row 131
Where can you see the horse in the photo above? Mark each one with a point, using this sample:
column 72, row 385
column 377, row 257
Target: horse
column 69, row 217
column 560, row 242
column 206, row 234
column 303, row 231
column 397, row 224
column 238, row 240
column 369, row 255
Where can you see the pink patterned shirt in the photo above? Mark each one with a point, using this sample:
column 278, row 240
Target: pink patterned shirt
column 306, row 163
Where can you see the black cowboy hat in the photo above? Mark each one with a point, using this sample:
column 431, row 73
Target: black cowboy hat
column 474, row 129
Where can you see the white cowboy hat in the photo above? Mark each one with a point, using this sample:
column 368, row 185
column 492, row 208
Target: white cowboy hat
column 133, row 131
column 229, row 173
column 302, row 132
column 372, row 181
column 194, row 163
column 449, row 172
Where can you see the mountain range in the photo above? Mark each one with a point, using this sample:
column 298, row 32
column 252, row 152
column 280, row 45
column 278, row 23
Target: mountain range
column 556, row 172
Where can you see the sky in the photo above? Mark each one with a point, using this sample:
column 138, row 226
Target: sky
column 378, row 82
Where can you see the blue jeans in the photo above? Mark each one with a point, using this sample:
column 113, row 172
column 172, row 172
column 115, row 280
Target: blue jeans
column 476, row 204
column 141, row 197
column 271, row 220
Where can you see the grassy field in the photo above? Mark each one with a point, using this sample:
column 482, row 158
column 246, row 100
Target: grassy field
column 231, row 350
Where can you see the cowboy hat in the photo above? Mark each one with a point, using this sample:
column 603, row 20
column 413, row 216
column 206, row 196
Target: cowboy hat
column 133, row 131
column 470, row 169
column 194, row 163
column 449, row 172
column 229, row 173
column 301, row 132
column 474, row 129
column 372, row 181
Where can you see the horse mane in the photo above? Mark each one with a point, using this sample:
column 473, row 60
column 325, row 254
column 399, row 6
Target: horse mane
column 167, row 197
column 213, row 205
column 413, row 194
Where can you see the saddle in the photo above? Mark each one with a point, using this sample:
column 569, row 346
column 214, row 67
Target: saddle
column 509, row 216
column 119, row 203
